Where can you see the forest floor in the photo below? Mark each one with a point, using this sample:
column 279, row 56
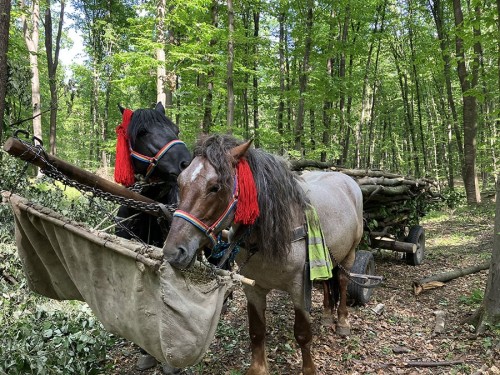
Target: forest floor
column 384, row 343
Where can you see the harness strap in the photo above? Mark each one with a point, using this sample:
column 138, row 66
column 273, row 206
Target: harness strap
column 212, row 230
column 153, row 161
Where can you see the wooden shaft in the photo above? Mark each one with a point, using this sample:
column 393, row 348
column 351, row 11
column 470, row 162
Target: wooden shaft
column 390, row 244
column 16, row 148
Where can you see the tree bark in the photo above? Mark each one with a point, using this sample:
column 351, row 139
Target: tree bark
column 303, row 78
column 207, row 116
column 281, row 105
column 327, row 103
column 230, row 67
column 161, row 73
column 256, row 31
column 5, row 5
column 31, row 37
column 469, row 106
column 488, row 313
column 417, row 89
column 438, row 15
column 52, row 64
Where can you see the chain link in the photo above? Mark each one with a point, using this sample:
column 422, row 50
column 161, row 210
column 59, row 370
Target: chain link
column 51, row 171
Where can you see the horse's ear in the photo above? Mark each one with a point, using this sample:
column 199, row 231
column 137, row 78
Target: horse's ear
column 121, row 108
column 160, row 108
column 240, row 151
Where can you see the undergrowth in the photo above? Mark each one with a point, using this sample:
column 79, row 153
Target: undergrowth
column 40, row 335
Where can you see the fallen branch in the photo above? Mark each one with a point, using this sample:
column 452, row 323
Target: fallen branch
column 436, row 281
column 432, row 363
column 410, row 363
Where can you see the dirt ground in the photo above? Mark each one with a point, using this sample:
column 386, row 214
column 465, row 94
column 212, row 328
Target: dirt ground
column 386, row 343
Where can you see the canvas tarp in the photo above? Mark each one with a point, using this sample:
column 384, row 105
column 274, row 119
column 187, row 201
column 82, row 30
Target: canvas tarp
column 134, row 295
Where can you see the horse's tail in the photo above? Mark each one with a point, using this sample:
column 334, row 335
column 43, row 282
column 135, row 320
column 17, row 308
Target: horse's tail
column 334, row 287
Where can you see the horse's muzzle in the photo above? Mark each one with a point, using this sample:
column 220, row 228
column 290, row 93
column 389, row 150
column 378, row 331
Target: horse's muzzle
column 178, row 256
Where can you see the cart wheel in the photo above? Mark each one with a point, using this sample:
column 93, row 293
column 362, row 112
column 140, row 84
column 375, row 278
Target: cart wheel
column 416, row 236
column 363, row 264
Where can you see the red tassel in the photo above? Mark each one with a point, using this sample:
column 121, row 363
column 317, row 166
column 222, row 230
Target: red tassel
column 124, row 170
column 247, row 210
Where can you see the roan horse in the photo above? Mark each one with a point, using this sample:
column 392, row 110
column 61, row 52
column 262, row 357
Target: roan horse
column 210, row 189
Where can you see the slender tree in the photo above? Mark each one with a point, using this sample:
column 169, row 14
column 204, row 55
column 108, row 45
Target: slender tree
column 161, row 73
column 303, row 78
column 230, row 66
column 31, row 37
column 468, row 83
column 4, row 46
column 488, row 314
column 52, row 64
column 255, row 82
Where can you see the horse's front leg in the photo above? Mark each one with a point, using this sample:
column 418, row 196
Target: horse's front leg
column 256, row 308
column 303, row 335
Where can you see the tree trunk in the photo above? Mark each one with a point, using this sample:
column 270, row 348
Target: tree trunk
column 52, row 64
column 5, row 5
column 342, row 73
column 161, row 73
column 207, row 116
column 230, row 67
column 303, row 77
column 256, row 30
column 364, row 102
column 488, row 313
column 438, row 15
column 281, row 105
column 469, row 106
column 327, row 102
column 417, row 90
column 31, row 36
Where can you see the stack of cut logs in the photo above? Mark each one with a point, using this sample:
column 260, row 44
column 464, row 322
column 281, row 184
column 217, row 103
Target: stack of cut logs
column 390, row 201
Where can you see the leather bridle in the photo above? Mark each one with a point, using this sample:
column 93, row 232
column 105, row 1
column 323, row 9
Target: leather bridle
column 211, row 231
column 153, row 161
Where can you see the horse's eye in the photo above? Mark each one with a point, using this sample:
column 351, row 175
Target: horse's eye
column 214, row 188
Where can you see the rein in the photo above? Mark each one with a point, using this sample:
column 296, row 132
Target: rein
column 211, row 231
column 153, row 161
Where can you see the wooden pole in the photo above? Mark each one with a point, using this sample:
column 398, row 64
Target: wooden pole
column 18, row 149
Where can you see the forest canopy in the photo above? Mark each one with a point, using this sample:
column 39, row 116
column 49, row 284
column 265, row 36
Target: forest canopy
column 408, row 86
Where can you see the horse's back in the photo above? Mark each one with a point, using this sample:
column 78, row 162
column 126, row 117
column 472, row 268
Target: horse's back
column 339, row 203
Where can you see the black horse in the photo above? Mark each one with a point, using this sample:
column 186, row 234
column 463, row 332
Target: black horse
column 158, row 156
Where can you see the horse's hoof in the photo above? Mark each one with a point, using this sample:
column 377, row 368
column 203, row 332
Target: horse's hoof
column 327, row 321
column 343, row 330
column 254, row 370
column 169, row 370
column 145, row 361
column 309, row 371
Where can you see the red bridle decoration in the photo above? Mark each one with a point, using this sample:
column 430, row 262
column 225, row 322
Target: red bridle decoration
column 124, row 170
column 247, row 210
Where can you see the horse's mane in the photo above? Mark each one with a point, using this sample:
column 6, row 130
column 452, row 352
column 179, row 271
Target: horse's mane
column 279, row 193
column 146, row 120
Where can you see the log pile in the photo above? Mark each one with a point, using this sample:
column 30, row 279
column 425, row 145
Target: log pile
column 390, row 201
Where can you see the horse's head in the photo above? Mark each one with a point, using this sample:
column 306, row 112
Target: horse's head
column 155, row 147
column 208, row 197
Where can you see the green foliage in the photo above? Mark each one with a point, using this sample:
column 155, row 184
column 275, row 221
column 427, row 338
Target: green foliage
column 45, row 337
column 475, row 298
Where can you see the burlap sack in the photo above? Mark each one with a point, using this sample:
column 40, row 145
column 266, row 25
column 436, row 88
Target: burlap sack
column 172, row 315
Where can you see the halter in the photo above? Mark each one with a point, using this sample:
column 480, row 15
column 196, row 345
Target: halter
column 211, row 231
column 153, row 161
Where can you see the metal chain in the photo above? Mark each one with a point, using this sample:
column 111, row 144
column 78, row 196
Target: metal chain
column 52, row 172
